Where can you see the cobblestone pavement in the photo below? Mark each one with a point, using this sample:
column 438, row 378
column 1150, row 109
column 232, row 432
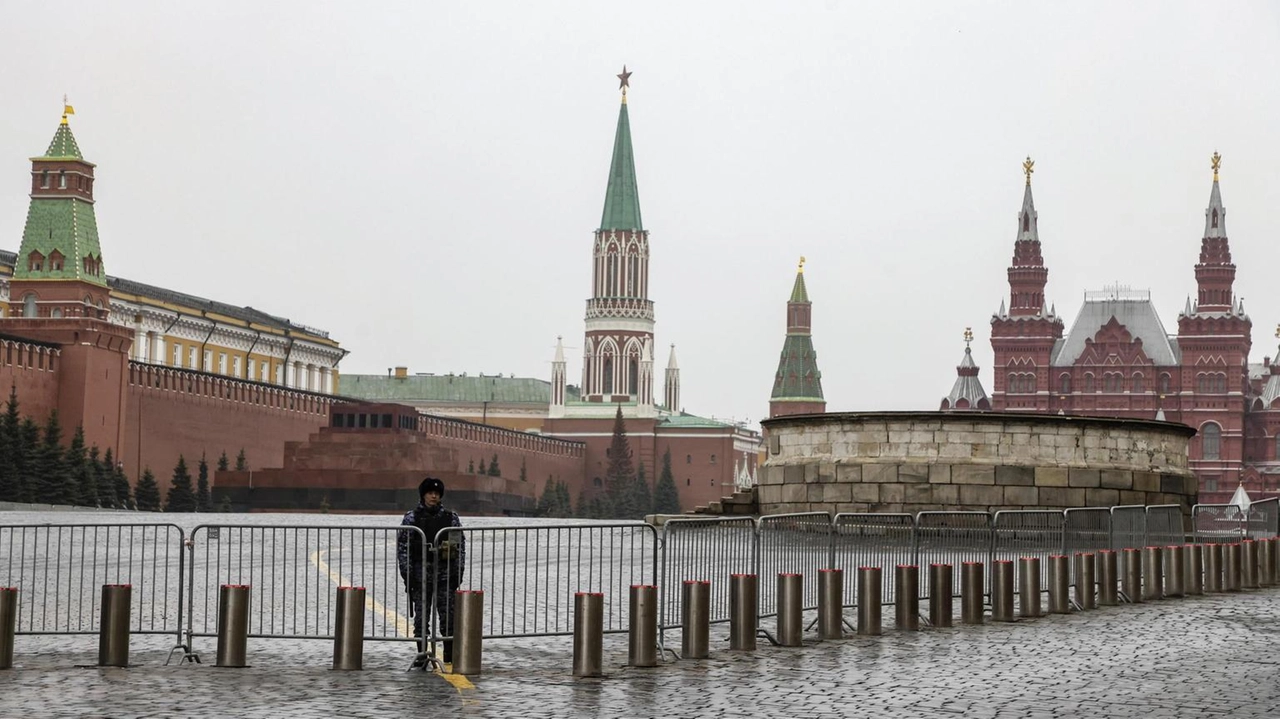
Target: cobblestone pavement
column 1211, row 656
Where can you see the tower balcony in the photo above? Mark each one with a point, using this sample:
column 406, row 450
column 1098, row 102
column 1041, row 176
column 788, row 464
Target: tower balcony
column 619, row 307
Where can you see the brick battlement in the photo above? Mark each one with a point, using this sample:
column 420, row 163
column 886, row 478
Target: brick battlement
column 20, row 354
column 489, row 436
column 228, row 389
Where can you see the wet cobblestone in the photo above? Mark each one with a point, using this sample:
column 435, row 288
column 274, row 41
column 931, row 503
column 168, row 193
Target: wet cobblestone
column 1195, row 657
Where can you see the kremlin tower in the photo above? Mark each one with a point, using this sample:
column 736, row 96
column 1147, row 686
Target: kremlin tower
column 797, row 387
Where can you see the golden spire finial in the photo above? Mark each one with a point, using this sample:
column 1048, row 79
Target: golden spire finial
column 66, row 110
column 1028, row 167
column 1215, row 162
column 800, row 271
column 968, row 336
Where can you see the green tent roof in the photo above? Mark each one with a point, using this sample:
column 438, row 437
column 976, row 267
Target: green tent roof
column 66, row 225
column 63, row 146
column 622, row 198
column 798, row 377
column 798, row 292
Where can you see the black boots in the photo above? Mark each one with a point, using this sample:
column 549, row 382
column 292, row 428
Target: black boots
column 448, row 651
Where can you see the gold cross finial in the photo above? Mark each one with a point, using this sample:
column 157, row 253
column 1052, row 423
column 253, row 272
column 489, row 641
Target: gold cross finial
column 800, row 270
column 1215, row 162
column 968, row 336
column 1028, row 167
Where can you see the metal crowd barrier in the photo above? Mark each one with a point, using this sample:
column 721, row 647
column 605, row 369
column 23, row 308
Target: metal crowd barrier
column 1218, row 523
column 704, row 549
column 1028, row 533
column 530, row 574
column 60, row 569
column 871, row 540
column 1128, row 527
column 1264, row 518
column 292, row 572
column 954, row 538
column 1164, row 525
column 1085, row 529
column 793, row 543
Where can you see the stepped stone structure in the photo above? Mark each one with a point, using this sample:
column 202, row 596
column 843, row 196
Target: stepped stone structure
column 929, row 461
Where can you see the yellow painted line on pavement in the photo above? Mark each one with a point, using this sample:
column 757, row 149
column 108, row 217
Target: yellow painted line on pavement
column 403, row 626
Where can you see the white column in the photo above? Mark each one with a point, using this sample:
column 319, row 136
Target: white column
column 158, row 349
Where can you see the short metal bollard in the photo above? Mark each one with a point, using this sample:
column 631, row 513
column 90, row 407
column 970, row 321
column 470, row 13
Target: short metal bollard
column 642, row 627
column 1152, row 573
column 1194, row 570
column 1175, row 570
column 940, row 593
column 8, row 624
column 1086, row 565
column 348, row 630
column 744, row 603
column 907, row 597
column 1002, row 590
column 1132, row 581
column 113, row 630
column 1059, row 584
column 1107, row 579
column 1213, row 561
column 588, row 634
column 869, row 601
column 233, row 625
column 790, row 608
column 1248, row 564
column 1029, row 587
column 830, row 603
column 1231, row 567
column 468, row 632
column 971, row 592
column 1266, row 565
column 695, row 619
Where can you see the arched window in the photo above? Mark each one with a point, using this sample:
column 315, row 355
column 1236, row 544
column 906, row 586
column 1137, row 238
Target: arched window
column 1011, row 383
column 1064, row 383
column 688, row 459
column 1210, row 441
column 607, row 387
column 1088, row 382
column 1215, row 218
column 1164, row 382
column 1138, row 385
column 611, row 288
column 634, row 370
column 29, row 305
column 633, row 274
column 57, row 312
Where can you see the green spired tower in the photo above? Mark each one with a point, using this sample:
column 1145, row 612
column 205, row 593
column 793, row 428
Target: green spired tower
column 797, row 388
column 58, row 272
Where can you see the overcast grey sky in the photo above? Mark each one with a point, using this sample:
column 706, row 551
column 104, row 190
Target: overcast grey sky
column 423, row 179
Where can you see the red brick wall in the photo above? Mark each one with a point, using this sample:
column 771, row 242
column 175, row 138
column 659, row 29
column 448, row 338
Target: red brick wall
column 34, row 371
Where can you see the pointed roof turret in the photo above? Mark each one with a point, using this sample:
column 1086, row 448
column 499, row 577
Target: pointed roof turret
column 1027, row 273
column 1215, row 273
column 63, row 146
column 799, row 293
column 559, row 349
column 622, row 197
column 671, row 360
column 967, row 392
column 1215, row 215
column 797, row 386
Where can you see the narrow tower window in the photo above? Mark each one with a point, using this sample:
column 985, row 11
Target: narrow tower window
column 29, row 305
column 1215, row 217
column 62, row 180
column 1210, row 441
column 1026, row 222
column 44, row 179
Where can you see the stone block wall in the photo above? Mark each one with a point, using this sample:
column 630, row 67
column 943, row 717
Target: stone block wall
column 928, row 461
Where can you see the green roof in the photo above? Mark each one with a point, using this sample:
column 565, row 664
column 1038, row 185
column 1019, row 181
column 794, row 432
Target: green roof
column 798, row 376
column 622, row 198
column 691, row 421
column 68, row 226
column 798, row 292
column 447, row 388
column 63, row 146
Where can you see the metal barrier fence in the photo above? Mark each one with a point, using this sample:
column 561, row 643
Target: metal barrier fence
column 1264, row 518
column 793, row 543
column 872, row 540
column 529, row 574
column 954, row 538
column 1218, row 523
column 60, row 569
column 1085, row 529
column 1164, row 525
column 1128, row 527
column 293, row 572
column 1028, row 533
column 704, row 550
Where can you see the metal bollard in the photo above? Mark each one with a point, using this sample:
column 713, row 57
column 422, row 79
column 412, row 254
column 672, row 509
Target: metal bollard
column 1029, row 587
column 1132, row 584
column 1175, row 570
column 1231, row 568
column 1152, row 573
column 744, row 604
column 1086, row 566
column 869, row 601
column 8, row 624
column 588, row 634
column 1002, row 591
column 790, row 606
column 348, row 630
column 1248, row 564
column 971, row 592
column 1059, row 584
column 642, row 629
column 1194, row 569
column 907, row 597
column 233, row 625
column 1275, row 559
column 1107, row 561
column 1266, row 565
column 468, row 632
column 695, row 619
column 940, row 608
column 113, row 629
column 1213, row 560
column 830, row 603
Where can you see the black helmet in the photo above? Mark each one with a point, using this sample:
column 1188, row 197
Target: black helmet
column 431, row 484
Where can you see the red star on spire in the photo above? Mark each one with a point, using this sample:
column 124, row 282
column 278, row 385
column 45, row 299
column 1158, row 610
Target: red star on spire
column 624, row 80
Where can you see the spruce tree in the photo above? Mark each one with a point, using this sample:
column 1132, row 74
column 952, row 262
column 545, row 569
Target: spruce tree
column 203, row 503
column 119, row 482
column 31, row 486
column 180, row 497
column 619, row 475
column 103, row 487
column 80, row 472
column 471, row 466
column 641, row 497
column 225, row 505
column 242, row 464
column 563, row 505
column 10, row 448
column 223, row 464
column 583, row 508
column 546, row 503
column 666, row 498
column 494, row 470
column 147, row 494
column 59, row 486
